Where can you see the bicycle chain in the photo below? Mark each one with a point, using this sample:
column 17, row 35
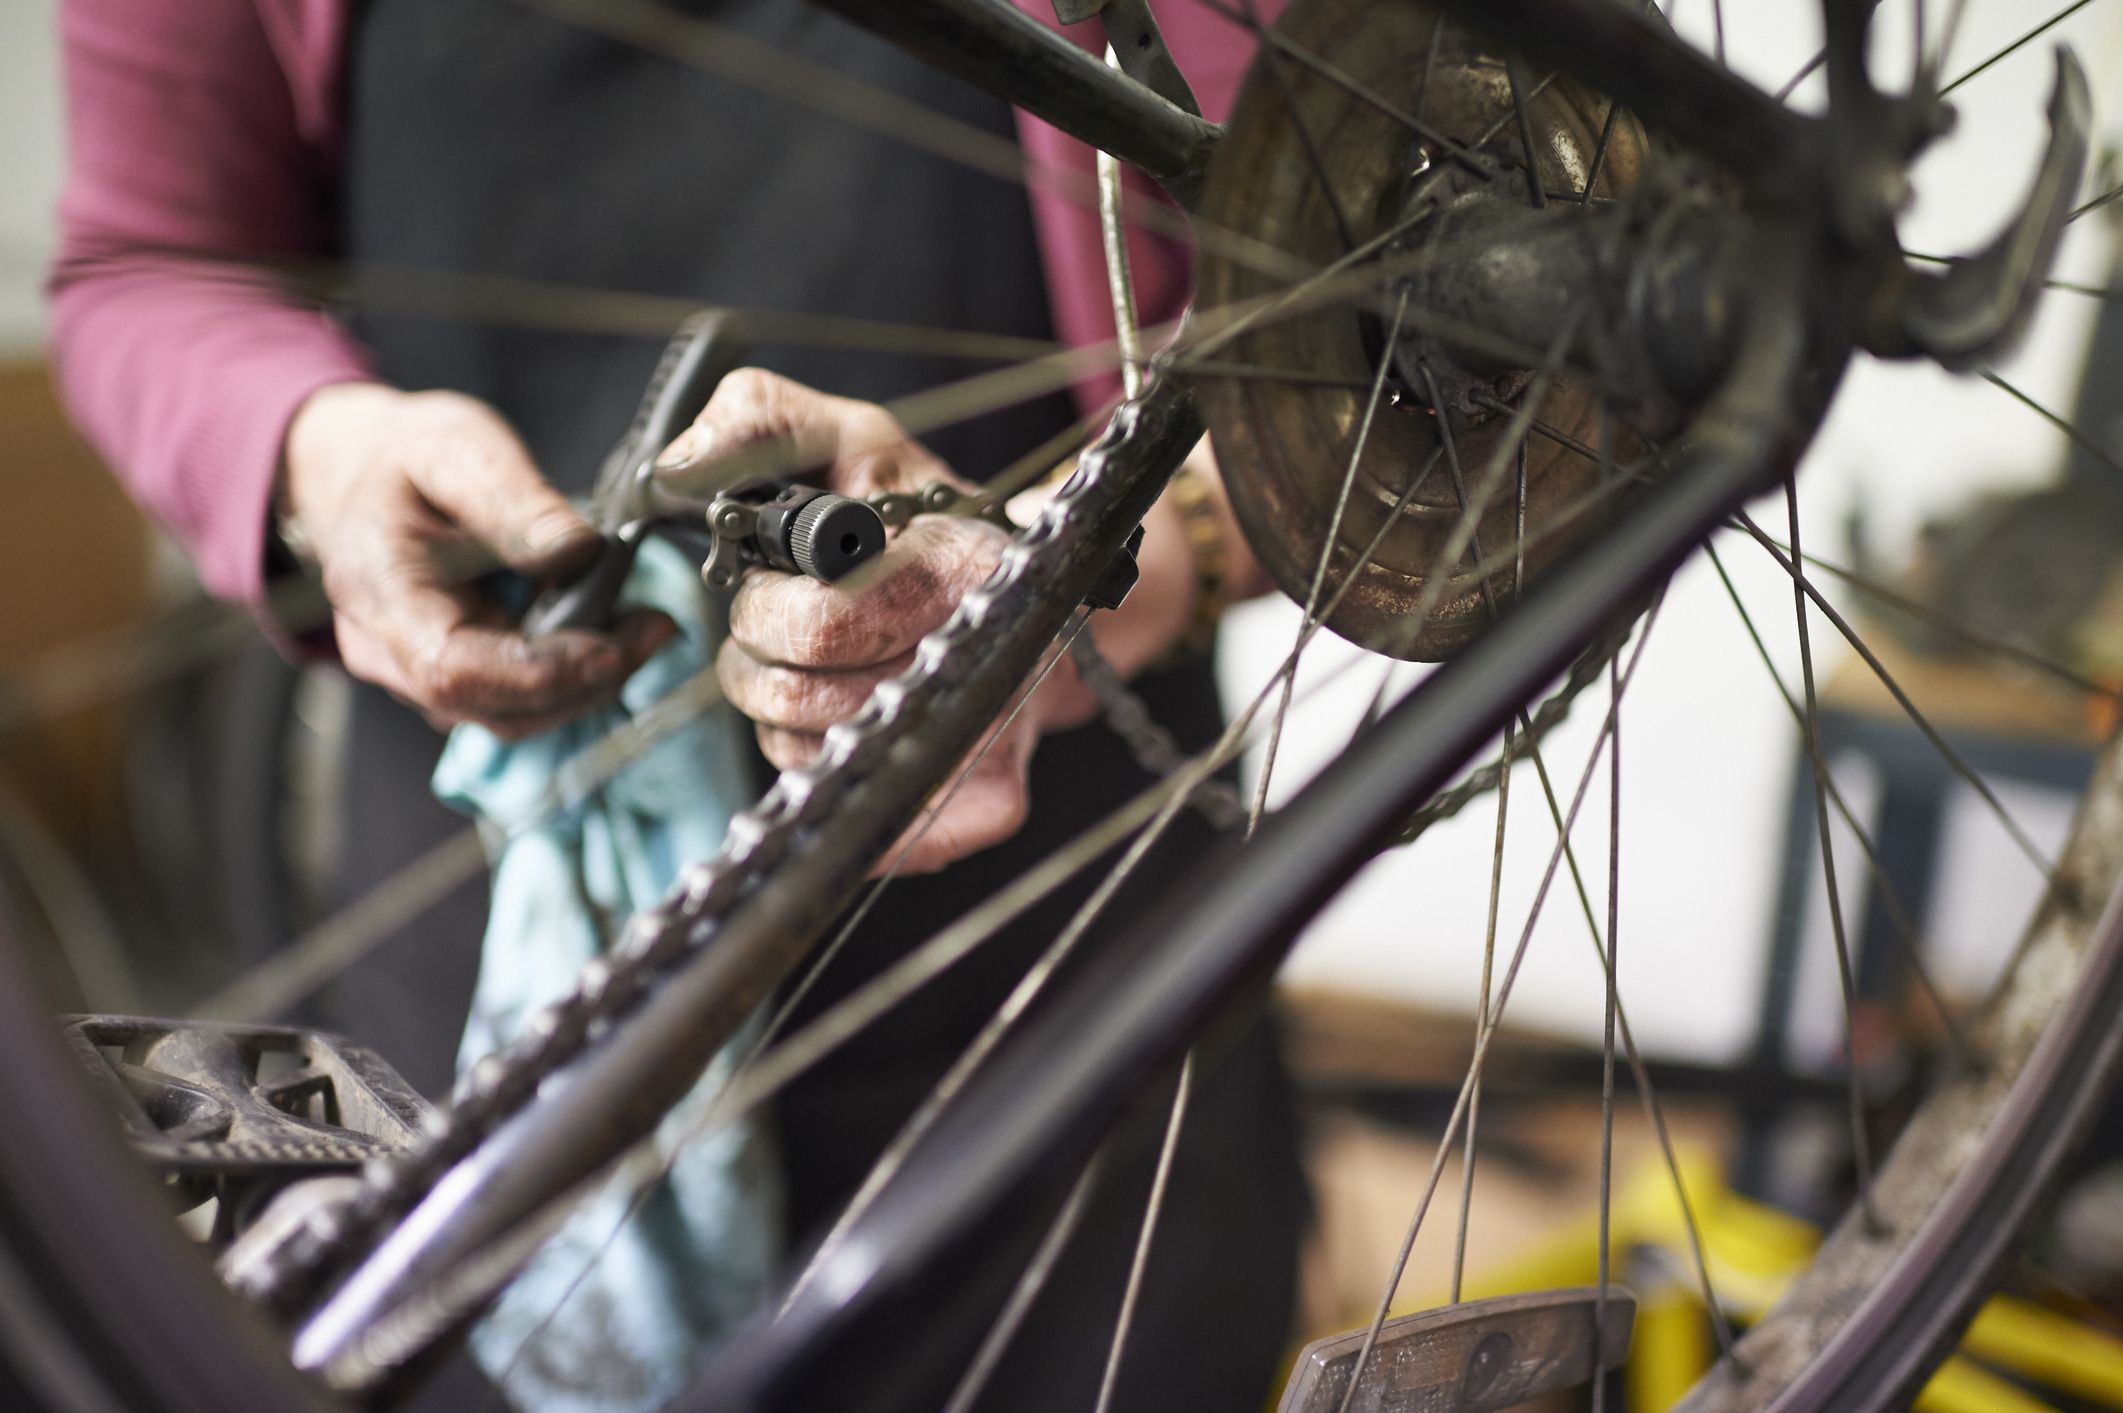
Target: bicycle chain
column 896, row 508
column 1125, row 713
column 1549, row 714
column 1154, row 748
column 654, row 941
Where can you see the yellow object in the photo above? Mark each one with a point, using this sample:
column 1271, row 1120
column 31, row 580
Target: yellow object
column 1753, row 1252
column 2053, row 1350
column 1670, row 1349
column 1961, row 1387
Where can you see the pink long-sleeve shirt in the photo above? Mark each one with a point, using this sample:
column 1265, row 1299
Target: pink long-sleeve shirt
column 214, row 127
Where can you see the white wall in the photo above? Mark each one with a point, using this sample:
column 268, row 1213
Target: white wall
column 1707, row 745
column 30, row 157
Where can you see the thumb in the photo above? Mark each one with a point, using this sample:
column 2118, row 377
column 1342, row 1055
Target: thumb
column 480, row 475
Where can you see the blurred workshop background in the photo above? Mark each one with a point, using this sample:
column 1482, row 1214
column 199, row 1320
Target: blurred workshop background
column 154, row 754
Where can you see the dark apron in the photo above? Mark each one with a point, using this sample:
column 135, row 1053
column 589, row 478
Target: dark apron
column 487, row 139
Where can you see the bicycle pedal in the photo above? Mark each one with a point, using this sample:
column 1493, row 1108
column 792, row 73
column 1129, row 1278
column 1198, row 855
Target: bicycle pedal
column 201, row 1101
column 1472, row 1357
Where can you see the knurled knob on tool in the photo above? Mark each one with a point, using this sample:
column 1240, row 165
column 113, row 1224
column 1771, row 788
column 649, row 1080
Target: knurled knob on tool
column 818, row 533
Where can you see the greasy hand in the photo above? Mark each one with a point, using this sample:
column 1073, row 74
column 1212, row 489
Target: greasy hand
column 802, row 655
column 398, row 493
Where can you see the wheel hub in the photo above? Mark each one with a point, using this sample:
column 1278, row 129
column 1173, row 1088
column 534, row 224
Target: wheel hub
column 1313, row 165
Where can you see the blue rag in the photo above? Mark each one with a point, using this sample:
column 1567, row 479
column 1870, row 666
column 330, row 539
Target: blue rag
column 635, row 1308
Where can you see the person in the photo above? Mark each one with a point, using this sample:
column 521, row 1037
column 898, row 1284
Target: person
column 492, row 141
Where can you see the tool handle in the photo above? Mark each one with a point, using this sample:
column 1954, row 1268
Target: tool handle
column 704, row 350
column 585, row 601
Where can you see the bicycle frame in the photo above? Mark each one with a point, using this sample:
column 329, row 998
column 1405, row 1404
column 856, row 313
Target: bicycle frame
column 997, row 46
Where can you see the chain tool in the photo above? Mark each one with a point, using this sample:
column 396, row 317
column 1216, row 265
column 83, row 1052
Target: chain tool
column 751, row 519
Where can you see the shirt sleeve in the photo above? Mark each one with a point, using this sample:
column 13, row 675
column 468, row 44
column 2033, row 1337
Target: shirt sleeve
column 198, row 156
column 1213, row 52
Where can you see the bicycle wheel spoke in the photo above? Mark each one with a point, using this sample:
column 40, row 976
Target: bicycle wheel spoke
column 1274, row 60
column 1647, row 1094
column 1918, row 57
column 1483, row 1040
column 1026, row 1290
column 722, row 53
column 1481, row 1010
column 77, row 925
column 508, row 301
column 2020, row 837
column 2060, row 16
column 2102, row 292
column 1437, row 42
column 1956, row 11
column 1534, row 192
column 1274, row 39
column 1472, row 510
column 1872, row 588
column 1152, row 1208
column 1613, row 966
column 1496, row 861
column 1631, row 473
column 2079, row 439
column 1806, row 71
column 1611, row 1008
column 1260, row 373
column 1947, row 623
column 1028, row 470
column 2089, row 207
column 1120, row 280
column 1902, row 925
column 82, row 673
column 1319, row 572
column 1599, row 153
column 1860, row 1143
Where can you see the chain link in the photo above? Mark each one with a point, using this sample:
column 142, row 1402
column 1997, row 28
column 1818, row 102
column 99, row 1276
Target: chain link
column 1153, row 747
column 1124, row 712
column 1549, row 714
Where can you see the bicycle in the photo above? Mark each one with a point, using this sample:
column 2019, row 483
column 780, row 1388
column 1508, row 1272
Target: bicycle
column 1725, row 259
